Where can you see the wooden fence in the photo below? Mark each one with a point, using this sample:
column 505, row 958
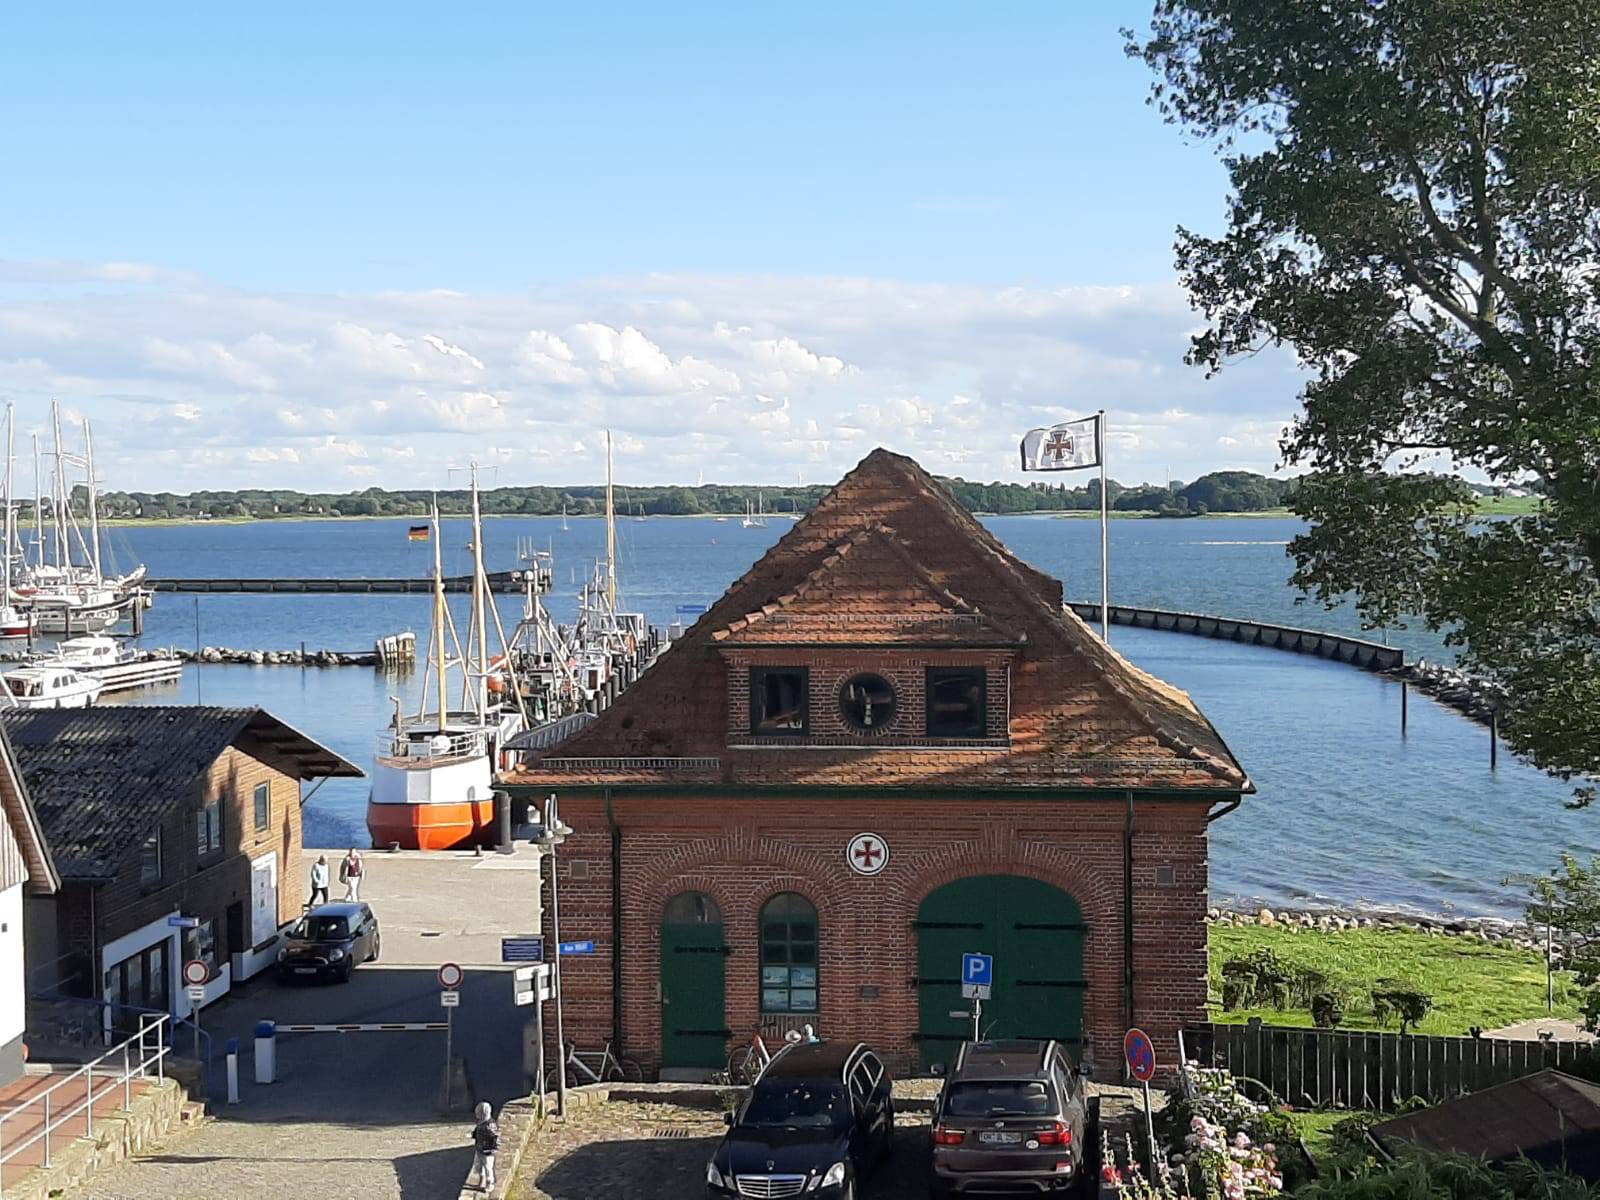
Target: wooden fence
column 1359, row 1069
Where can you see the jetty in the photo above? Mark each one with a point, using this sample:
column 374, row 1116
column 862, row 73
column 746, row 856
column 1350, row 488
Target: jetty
column 1357, row 652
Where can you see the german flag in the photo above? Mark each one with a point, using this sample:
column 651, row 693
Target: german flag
column 417, row 533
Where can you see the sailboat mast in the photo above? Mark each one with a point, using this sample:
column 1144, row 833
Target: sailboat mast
column 11, row 516
column 63, row 555
column 94, row 503
column 480, row 608
column 611, row 534
column 440, row 615
column 38, row 506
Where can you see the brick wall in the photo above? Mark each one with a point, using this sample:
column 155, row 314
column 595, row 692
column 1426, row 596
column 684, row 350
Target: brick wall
column 743, row 850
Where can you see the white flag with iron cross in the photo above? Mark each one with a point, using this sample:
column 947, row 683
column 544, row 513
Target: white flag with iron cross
column 1068, row 446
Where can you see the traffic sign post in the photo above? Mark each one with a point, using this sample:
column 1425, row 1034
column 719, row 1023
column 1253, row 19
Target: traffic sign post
column 1140, row 1055
column 977, row 980
column 195, row 973
column 450, row 977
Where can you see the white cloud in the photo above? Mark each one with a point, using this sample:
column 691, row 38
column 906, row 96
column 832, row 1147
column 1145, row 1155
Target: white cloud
column 192, row 385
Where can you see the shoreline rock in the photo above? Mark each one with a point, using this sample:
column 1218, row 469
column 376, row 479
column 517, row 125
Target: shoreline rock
column 1477, row 699
column 1499, row 930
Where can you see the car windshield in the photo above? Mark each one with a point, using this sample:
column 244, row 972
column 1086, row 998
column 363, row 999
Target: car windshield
column 999, row 1098
column 322, row 929
column 794, row 1104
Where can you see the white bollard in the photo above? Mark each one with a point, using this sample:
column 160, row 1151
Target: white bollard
column 266, row 1040
column 233, row 1070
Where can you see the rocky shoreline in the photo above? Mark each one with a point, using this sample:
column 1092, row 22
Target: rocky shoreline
column 1470, row 696
column 259, row 658
column 1499, row 930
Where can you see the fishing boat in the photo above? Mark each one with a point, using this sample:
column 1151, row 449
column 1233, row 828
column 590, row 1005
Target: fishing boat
column 433, row 772
column 50, row 687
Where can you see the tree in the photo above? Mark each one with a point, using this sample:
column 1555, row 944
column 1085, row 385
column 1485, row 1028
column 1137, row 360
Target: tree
column 1569, row 901
column 1415, row 209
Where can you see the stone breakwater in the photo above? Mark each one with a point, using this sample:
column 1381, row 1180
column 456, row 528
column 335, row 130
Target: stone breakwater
column 1499, row 930
column 1468, row 695
column 276, row 658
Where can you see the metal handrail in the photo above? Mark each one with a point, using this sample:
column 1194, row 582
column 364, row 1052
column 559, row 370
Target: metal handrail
column 136, row 1063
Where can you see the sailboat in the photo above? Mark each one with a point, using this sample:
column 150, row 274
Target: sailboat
column 754, row 519
column 14, row 622
column 433, row 773
column 564, row 518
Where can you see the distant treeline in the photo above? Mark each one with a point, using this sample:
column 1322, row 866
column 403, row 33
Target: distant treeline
column 1218, row 492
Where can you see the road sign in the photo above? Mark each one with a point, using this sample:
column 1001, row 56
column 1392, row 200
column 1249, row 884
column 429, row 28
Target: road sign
column 448, row 999
column 977, row 976
column 1141, row 1055
column 529, row 984
column 521, row 949
column 584, row 947
column 196, row 971
column 197, row 993
column 450, row 976
column 179, row 921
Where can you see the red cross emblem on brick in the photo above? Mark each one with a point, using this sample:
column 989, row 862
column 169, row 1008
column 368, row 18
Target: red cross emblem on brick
column 867, row 854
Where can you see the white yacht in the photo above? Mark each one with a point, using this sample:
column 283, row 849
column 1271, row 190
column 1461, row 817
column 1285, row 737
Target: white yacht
column 50, row 687
column 115, row 664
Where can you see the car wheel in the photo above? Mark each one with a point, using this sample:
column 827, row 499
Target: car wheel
column 377, row 946
column 344, row 975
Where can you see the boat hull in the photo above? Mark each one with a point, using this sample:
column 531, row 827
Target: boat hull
column 456, row 826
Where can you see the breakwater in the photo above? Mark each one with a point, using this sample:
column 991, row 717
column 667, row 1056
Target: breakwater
column 1471, row 697
column 1357, row 652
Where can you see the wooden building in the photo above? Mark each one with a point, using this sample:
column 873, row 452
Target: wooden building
column 25, row 870
column 888, row 744
column 176, row 832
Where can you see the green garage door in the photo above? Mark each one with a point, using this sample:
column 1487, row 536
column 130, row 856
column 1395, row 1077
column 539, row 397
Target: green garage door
column 694, row 957
column 1035, row 932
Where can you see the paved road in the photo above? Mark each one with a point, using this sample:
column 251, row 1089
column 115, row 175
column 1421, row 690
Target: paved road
column 350, row 1114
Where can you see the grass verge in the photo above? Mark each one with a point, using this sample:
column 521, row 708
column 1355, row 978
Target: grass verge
column 1472, row 982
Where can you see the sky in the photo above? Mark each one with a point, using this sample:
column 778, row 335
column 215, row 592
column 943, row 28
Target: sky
column 331, row 247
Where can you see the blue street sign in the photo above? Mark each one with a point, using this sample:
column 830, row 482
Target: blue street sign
column 181, row 922
column 521, row 949
column 689, row 610
column 577, row 947
column 977, row 969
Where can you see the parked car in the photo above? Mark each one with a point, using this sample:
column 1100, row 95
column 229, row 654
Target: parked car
column 329, row 940
column 816, row 1121
column 1012, row 1115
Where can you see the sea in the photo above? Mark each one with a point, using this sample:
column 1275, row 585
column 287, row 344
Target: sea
column 1348, row 812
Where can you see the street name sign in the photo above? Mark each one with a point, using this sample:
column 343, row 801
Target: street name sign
column 583, row 947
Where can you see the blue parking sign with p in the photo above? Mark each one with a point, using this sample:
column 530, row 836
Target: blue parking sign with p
column 977, row 969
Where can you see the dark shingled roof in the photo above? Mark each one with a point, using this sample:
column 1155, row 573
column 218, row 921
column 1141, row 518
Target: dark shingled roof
column 102, row 777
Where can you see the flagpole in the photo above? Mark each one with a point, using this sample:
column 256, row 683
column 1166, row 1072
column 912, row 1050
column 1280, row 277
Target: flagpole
column 1105, row 557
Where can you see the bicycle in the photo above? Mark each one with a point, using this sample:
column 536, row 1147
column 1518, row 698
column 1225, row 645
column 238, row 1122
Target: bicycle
column 594, row 1066
column 747, row 1062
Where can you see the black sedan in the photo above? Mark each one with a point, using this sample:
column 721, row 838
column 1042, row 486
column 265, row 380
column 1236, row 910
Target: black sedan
column 330, row 940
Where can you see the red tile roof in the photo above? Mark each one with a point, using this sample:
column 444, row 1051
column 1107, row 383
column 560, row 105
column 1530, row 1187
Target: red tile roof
column 888, row 558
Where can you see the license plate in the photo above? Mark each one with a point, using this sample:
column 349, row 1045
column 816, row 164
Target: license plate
column 994, row 1137
column 305, row 970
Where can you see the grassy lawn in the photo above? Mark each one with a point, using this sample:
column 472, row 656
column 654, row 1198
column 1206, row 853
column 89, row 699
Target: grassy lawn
column 1472, row 982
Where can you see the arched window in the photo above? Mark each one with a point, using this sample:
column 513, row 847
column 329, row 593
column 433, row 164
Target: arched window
column 788, row 954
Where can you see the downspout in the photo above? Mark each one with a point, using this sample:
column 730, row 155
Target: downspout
column 1227, row 807
column 1127, row 913
column 616, row 924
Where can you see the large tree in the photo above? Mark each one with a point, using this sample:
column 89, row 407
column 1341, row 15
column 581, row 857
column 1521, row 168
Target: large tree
column 1415, row 210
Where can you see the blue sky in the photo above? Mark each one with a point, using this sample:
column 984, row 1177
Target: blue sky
column 226, row 233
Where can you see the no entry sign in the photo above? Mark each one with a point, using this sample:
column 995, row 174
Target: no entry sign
column 1141, row 1055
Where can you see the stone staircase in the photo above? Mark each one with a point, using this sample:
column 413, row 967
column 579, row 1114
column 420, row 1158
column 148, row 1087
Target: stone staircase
column 155, row 1109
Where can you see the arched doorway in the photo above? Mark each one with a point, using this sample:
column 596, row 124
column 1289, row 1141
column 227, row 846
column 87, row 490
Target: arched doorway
column 1035, row 932
column 693, row 983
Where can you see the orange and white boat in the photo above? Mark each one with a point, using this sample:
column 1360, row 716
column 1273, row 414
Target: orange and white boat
column 433, row 773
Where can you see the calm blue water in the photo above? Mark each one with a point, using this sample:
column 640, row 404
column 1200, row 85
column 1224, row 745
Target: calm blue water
column 1347, row 810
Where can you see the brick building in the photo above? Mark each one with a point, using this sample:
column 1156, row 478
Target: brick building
column 153, row 813
column 886, row 745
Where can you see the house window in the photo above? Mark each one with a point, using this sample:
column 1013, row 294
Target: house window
column 208, row 826
column 201, row 942
column 780, row 700
column 957, row 702
column 788, row 955
column 866, row 702
column 139, row 981
column 150, row 859
column 263, row 807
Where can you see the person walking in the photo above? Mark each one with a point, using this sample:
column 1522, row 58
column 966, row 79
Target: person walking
column 319, row 881
column 485, row 1141
column 350, row 875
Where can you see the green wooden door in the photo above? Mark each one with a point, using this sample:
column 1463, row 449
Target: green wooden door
column 694, row 953
column 1035, row 932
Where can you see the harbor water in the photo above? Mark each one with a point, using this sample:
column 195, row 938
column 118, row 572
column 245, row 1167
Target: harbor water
column 1348, row 812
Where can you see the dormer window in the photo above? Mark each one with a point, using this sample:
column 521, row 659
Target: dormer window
column 780, row 700
column 957, row 702
column 866, row 702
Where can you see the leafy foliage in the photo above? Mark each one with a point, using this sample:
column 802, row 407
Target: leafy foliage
column 1415, row 209
column 1261, row 979
column 1394, row 998
column 1569, row 900
column 1442, row 1178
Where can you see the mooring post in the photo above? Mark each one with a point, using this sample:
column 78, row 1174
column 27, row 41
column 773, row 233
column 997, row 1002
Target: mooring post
column 1494, row 738
column 1405, row 704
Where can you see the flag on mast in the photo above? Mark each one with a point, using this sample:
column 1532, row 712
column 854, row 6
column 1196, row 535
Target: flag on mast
column 1072, row 446
column 1069, row 446
column 417, row 533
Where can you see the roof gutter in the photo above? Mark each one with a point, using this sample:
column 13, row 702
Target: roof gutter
column 1227, row 807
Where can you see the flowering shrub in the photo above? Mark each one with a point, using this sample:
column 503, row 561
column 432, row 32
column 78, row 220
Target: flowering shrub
column 1236, row 1167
